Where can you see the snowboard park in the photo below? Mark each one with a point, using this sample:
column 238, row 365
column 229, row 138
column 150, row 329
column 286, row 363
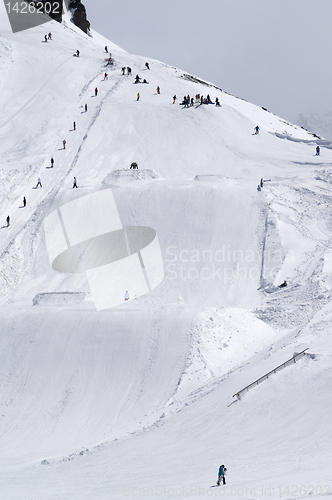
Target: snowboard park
column 145, row 339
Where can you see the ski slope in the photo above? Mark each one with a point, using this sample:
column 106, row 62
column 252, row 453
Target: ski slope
column 137, row 400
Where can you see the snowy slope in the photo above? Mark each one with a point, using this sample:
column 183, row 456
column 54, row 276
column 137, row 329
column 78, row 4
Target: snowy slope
column 116, row 403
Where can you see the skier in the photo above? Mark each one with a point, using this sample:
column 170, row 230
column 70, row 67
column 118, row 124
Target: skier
column 217, row 102
column 86, row 108
column 64, row 142
column 96, row 92
column 317, row 151
column 124, row 70
column 75, row 183
column 174, row 98
column 77, row 53
column 8, row 221
column 24, row 201
column 74, row 125
column 52, row 162
column 106, row 49
column 221, row 475
column 261, row 183
column 283, row 285
column 147, row 65
column 138, row 96
column 256, row 130
column 126, row 297
column 158, row 90
column 105, row 76
column 39, row 183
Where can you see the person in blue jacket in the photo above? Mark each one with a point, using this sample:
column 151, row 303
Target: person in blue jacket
column 221, row 475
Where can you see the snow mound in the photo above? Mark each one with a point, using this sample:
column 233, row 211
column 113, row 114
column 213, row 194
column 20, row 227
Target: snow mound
column 131, row 175
column 58, row 298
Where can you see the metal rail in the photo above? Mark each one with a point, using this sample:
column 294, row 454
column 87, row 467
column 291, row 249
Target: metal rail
column 275, row 370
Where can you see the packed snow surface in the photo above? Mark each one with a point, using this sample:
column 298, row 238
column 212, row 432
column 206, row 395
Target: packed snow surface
column 137, row 401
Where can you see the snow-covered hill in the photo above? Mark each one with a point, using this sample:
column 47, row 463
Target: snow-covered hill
column 138, row 400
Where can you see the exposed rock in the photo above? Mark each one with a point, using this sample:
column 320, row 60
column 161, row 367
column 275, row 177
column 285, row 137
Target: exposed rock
column 79, row 15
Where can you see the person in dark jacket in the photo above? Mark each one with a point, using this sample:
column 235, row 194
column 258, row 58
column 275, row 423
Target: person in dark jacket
column 221, row 474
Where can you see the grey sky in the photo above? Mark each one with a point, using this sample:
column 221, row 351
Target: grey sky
column 274, row 54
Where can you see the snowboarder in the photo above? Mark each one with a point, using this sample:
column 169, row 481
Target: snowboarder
column 52, row 162
column 64, row 142
column 138, row 96
column 261, row 183
column 317, row 151
column 86, row 108
column 126, row 297
column 24, row 201
column 74, row 125
column 39, row 182
column 283, row 285
column 105, row 76
column 96, row 92
column 106, row 49
column 124, row 70
column 77, row 53
column 8, row 221
column 75, row 183
column 217, row 102
column 147, row 65
column 158, row 90
column 174, row 98
column 256, row 130
column 221, row 475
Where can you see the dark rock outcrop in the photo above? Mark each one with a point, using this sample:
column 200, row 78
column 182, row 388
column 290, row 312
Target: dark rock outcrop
column 79, row 15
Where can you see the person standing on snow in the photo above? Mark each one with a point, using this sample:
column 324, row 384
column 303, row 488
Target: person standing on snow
column 105, row 76
column 77, row 53
column 86, row 108
column 256, row 130
column 147, row 65
column 317, row 151
column 158, row 90
column 52, row 162
column 45, row 38
column 75, row 183
column 50, row 36
column 8, row 221
column 74, row 125
column 39, row 182
column 126, row 295
column 261, row 183
column 24, row 201
column 128, row 70
column 138, row 96
column 96, row 92
column 64, row 142
column 217, row 102
column 106, row 49
column 221, row 475
column 174, row 98
column 124, row 70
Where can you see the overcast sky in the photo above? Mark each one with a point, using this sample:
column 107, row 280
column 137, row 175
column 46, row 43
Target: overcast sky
column 276, row 54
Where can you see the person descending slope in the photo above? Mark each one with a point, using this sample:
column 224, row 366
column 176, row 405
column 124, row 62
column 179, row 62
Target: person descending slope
column 8, row 221
column 24, row 201
column 77, row 53
column 86, row 108
column 39, row 182
column 158, row 90
column 147, row 65
column 138, row 96
column 256, row 130
column 75, row 183
column 52, row 162
column 221, row 475
column 106, row 49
